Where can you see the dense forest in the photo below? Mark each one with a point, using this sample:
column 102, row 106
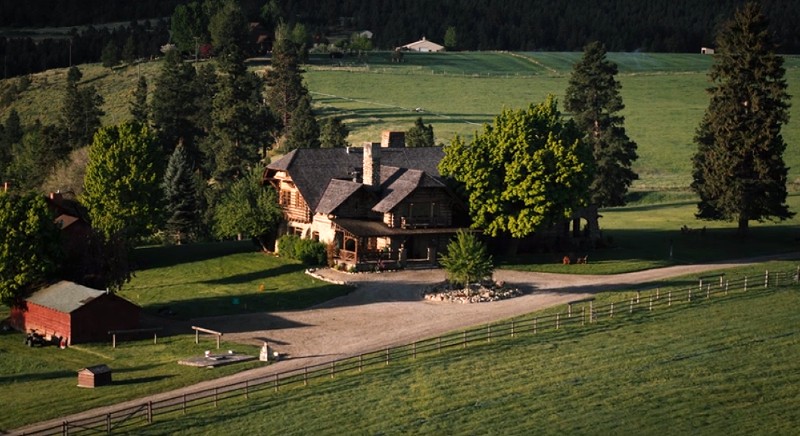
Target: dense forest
column 518, row 25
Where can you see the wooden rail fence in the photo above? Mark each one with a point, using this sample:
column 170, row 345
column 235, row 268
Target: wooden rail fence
column 129, row 418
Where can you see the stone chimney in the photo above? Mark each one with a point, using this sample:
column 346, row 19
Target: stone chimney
column 372, row 164
column 391, row 139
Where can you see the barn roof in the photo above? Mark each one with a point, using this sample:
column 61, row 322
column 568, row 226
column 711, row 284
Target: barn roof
column 64, row 296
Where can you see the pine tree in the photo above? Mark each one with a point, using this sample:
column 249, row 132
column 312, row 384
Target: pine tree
column 304, row 130
column 594, row 100
column 80, row 111
column 420, row 135
column 110, row 55
column 738, row 170
column 139, row 109
column 284, row 79
column 229, row 35
column 174, row 104
column 129, row 51
column 180, row 197
column 333, row 133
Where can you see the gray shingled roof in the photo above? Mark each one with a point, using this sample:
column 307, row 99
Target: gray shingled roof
column 399, row 183
column 64, row 296
column 312, row 169
column 336, row 193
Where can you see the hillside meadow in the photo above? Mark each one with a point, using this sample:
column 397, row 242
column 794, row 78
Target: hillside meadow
column 458, row 92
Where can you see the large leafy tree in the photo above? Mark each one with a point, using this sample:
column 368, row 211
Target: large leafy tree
column 181, row 202
column 524, row 172
column 467, row 259
column 739, row 172
column 248, row 209
column 122, row 184
column 29, row 245
column 420, row 135
column 594, row 100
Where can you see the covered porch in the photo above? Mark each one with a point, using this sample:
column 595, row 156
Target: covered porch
column 372, row 246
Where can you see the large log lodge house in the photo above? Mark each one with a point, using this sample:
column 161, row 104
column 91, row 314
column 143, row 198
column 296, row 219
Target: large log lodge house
column 380, row 205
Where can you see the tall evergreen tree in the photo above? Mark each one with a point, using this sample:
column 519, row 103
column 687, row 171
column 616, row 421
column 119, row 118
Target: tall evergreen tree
column 35, row 156
column 10, row 134
column 80, row 111
column 139, row 109
column 180, row 197
column 593, row 98
column 110, row 55
column 174, row 104
column 229, row 34
column 333, row 133
column 739, row 172
column 420, row 135
column 284, row 79
column 304, row 130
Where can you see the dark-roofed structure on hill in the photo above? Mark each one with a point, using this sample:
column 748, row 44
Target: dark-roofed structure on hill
column 380, row 205
column 74, row 313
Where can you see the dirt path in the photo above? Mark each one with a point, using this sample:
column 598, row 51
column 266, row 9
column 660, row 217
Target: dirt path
column 387, row 309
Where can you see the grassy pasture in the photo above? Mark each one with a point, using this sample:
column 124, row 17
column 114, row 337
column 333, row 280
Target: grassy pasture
column 222, row 279
column 458, row 92
column 724, row 366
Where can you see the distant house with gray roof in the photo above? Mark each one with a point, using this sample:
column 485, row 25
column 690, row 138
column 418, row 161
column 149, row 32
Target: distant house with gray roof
column 382, row 204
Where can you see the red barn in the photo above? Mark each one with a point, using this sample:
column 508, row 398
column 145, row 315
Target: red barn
column 75, row 313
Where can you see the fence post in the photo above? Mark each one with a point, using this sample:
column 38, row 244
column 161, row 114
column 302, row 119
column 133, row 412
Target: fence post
column 439, row 344
column 360, row 362
column 690, row 294
column 305, row 375
column 149, row 412
column 464, row 341
column 557, row 321
column 276, row 382
column 611, row 312
column 387, row 355
column 657, row 293
column 631, row 308
column 583, row 315
column 638, row 295
column 726, row 288
column 708, row 291
column 65, row 428
column 745, row 283
column 415, row 350
column 333, row 368
column 215, row 397
column 184, row 404
column 766, row 278
column 246, row 389
column 512, row 328
column 699, row 288
column 669, row 299
column 651, row 304
column 108, row 423
column 534, row 325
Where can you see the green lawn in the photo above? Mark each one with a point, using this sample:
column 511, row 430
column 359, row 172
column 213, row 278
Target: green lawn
column 41, row 383
column 228, row 278
column 725, row 365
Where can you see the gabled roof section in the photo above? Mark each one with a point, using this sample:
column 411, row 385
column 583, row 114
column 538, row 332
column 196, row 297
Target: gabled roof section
column 312, row 169
column 337, row 192
column 64, row 296
column 399, row 184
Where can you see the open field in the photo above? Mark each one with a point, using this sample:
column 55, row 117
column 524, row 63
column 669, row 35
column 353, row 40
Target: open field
column 226, row 278
column 725, row 365
column 40, row 383
column 458, row 92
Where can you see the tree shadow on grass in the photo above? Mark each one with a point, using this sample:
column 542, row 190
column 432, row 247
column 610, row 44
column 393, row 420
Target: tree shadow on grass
column 256, row 275
column 23, row 378
column 170, row 255
column 140, row 380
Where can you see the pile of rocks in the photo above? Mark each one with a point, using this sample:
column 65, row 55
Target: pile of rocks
column 473, row 293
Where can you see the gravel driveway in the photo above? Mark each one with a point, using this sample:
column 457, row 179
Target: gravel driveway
column 387, row 309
